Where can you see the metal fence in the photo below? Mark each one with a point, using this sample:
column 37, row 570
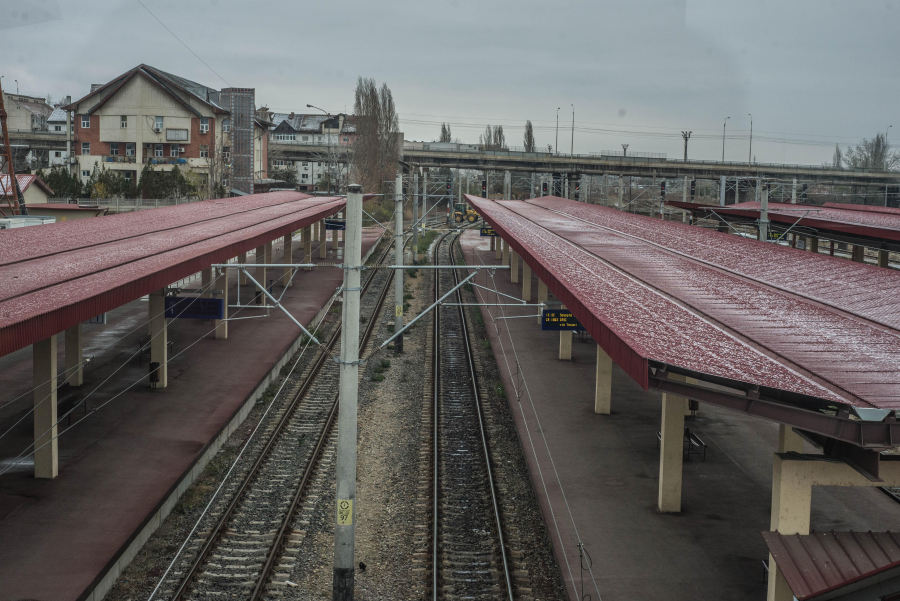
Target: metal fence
column 119, row 205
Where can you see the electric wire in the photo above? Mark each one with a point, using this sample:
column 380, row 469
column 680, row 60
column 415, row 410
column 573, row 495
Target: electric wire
column 540, row 429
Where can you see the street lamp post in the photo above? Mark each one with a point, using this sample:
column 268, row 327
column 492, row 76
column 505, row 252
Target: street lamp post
column 723, row 137
column 750, row 153
column 572, row 148
column 557, row 131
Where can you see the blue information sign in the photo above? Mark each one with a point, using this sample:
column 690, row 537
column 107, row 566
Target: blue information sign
column 488, row 231
column 193, row 307
column 559, row 320
column 335, row 224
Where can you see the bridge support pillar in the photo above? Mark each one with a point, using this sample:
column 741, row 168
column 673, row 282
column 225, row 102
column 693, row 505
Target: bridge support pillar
column 526, row 282
column 671, row 451
column 46, row 450
column 288, row 258
column 74, row 356
column 793, row 477
column 323, row 241
column 242, row 258
column 858, row 253
column 307, row 245
column 159, row 336
column 221, row 283
column 513, row 266
column 882, row 258
column 603, row 389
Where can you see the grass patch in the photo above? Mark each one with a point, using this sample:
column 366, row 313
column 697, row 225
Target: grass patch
column 378, row 377
column 425, row 241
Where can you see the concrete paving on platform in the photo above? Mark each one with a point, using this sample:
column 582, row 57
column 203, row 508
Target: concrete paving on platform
column 116, row 468
column 596, row 476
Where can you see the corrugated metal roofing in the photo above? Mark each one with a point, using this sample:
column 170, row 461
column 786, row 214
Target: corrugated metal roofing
column 831, row 217
column 821, row 562
column 651, row 290
column 58, row 275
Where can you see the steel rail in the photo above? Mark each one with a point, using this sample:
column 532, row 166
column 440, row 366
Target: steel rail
column 479, row 412
column 278, row 543
column 219, row 528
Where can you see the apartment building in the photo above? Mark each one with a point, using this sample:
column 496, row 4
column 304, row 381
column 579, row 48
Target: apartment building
column 148, row 117
column 323, row 136
column 26, row 113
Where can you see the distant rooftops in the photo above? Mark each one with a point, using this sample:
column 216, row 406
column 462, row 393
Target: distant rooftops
column 315, row 123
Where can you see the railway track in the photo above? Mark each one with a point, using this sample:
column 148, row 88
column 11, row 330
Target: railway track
column 469, row 554
column 241, row 553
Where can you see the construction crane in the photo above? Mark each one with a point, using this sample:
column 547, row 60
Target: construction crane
column 15, row 192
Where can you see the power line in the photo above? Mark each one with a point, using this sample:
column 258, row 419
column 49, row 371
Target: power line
column 183, row 44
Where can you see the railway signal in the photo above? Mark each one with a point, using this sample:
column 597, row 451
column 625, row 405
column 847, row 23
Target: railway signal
column 484, row 188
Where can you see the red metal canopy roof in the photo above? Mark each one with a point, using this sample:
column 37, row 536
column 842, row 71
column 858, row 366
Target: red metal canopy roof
column 55, row 276
column 713, row 304
column 855, row 220
column 823, row 562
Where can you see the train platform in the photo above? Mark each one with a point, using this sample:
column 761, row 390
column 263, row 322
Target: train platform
column 122, row 468
column 596, row 476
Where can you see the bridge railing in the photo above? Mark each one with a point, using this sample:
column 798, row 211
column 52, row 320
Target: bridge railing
column 620, row 156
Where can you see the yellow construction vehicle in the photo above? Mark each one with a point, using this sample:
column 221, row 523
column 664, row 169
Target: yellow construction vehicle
column 462, row 212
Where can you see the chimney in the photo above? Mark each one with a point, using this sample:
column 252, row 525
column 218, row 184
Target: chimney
column 291, row 116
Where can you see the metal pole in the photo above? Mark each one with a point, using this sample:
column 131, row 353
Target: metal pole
column 763, row 213
column 794, row 192
column 572, row 149
column 556, row 148
column 724, row 123
column 722, row 191
column 345, row 512
column 398, row 258
column 750, row 153
column 415, row 195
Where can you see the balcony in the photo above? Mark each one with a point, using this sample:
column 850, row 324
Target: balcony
column 117, row 158
column 164, row 161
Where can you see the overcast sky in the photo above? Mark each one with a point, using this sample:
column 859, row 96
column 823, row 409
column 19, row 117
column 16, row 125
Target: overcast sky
column 812, row 72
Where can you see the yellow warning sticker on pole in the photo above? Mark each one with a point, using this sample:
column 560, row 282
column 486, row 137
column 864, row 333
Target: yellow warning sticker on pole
column 398, row 310
column 345, row 512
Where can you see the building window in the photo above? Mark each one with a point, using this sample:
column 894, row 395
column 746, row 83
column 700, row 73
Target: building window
column 204, row 125
column 304, row 176
column 159, row 123
column 305, row 164
column 177, row 135
column 204, row 151
column 226, row 152
column 279, row 163
column 174, row 150
column 157, row 150
column 346, row 139
column 129, row 149
column 85, row 121
column 114, row 149
column 129, row 176
column 85, row 148
column 226, row 125
column 305, row 139
column 319, row 164
column 57, row 128
column 85, row 173
column 57, row 154
column 285, row 137
column 123, row 121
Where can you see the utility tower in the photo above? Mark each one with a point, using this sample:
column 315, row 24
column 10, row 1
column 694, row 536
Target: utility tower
column 11, row 189
column 687, row 136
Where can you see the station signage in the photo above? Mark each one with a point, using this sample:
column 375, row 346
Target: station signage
column 560, row 320
column 488, row 231
column 194, row 307
column 335, row 224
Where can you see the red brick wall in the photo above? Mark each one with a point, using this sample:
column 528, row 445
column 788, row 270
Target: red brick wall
column 91, row 134
column 191, row 150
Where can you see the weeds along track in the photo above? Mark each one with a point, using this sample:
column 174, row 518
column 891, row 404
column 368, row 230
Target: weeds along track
column 237, row 552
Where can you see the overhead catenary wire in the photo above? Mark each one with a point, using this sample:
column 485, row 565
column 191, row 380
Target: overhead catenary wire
column 540, row 429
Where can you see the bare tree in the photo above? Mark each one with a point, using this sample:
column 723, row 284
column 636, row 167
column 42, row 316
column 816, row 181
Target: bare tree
column 837, row 161
column 337, row 160
column 377, row 146
column 493, row 138
column 218, row 176
column 875, row 154
column 445, row 133
column 529, row 137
